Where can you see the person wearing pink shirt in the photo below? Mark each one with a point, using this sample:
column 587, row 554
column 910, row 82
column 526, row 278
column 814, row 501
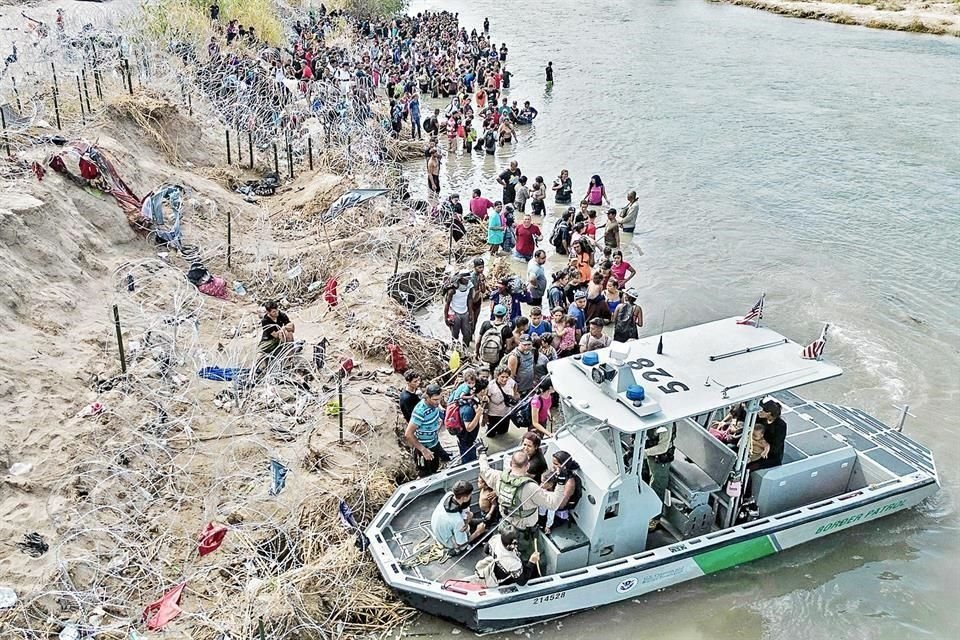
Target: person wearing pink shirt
column 479, row 205
column 621, row 268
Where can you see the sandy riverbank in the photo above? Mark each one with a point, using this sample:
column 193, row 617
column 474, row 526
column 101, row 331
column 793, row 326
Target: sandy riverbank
column 120, row 492
column 916, row 16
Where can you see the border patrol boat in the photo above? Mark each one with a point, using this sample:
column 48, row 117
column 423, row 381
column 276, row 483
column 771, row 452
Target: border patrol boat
column 841, row 468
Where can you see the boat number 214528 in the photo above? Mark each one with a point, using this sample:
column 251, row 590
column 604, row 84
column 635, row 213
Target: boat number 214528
column 549, row 597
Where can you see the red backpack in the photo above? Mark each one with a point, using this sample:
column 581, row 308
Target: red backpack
column 452, row 419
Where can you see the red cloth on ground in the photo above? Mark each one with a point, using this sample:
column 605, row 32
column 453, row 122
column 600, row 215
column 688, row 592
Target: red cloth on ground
column 215, row 286
column 397, row 360
column 211, row 538
column 330, row 292
column 159, row 613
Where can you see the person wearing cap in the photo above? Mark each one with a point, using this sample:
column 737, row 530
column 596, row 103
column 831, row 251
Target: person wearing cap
column 456, row 309
column 499, row 324
column 521, row 362
column 627, row 317
column 657, row 458
column 774, row 433
column 576, row 311
column 595, row 339
column 423, row 433
column 496, row 226
column 450, row 521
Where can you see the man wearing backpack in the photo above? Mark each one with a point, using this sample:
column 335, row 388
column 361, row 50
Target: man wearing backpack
column 496, row 337
column 521, row 362
column 519, row 497
column 560, row 236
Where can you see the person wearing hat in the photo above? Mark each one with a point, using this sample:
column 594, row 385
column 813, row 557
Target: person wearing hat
column 496, row 338
column 627, row 317
column 423, row 433
column 576, row 311
column 456, row 308
column 595, row 339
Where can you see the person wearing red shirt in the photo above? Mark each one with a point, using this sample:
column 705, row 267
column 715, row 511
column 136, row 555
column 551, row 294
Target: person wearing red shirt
column 591, row 228
column 480, row 205
column 527, row 236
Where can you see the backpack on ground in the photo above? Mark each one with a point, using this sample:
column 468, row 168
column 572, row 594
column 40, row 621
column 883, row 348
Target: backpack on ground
column 491, row 345
column 452, row 419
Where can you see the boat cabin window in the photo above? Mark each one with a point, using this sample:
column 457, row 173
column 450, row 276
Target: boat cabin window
column 598, row 440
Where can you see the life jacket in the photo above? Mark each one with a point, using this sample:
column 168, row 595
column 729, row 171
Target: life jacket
column 562, row 477
column 509, row 496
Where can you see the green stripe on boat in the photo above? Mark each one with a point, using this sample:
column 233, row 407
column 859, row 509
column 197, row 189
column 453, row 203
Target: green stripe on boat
column 732, row 555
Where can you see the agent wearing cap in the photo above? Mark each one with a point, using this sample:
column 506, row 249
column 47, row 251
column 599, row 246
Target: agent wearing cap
column 423, row 433
column 594, row 339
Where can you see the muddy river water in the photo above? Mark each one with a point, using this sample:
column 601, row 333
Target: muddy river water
column 818, row 163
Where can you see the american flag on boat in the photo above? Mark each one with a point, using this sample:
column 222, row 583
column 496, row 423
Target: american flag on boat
column 755, row 314
column 814, row 350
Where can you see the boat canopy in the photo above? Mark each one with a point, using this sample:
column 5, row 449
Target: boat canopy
column 702, row 368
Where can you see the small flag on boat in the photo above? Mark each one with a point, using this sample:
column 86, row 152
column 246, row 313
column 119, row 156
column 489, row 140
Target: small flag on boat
column 755, row 314
column 814, row 350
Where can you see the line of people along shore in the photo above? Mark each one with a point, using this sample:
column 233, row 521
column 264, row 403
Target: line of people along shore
column 515, row 326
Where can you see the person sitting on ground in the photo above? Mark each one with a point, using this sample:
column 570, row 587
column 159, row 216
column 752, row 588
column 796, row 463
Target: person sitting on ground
column 450, row 522
column 503, row 564
column 423, row 433
column 595, row 338
column 519, row 496
column 277, row 329
column 410, row 396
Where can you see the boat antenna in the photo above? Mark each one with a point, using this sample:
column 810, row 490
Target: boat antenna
column 660, row 344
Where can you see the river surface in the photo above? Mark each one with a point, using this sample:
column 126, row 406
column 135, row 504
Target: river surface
column 815, row 162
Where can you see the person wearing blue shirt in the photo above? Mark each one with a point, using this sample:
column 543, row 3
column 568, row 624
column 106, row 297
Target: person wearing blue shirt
column 538, row 326
column 508, row 298
column 450, row 522
column 472, row 414
column 576, row 311
column 423, row 433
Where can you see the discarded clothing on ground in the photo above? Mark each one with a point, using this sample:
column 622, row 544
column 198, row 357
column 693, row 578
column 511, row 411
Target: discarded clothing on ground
column 222, row 374
column 211, row 538
column 209, row 284
column 159, row 613
column 265, row 186
column 87, row 166
column 152, row 211
column 350, row 199
column 278, row 477
column 33, row 545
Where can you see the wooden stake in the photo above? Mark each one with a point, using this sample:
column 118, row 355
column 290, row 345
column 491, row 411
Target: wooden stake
column 250, row 146
column 276, row 160
column 116, row 324
column 340, row 404
column 310, row 151
column 86, row 89
column 83, row 117
column 229, row 237
column 56, row 106
column 396, row 262
column 229, row 157
column 6, row 139
column 17, row 95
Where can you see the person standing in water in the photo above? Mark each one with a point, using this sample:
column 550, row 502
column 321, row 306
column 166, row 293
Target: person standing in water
column 486, row 25
column 549, row 72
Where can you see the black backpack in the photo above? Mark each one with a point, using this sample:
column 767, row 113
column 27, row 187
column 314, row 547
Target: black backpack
column 557, row 235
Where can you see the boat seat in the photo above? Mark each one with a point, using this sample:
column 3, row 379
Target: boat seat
column 566, row 547
column 805, row 480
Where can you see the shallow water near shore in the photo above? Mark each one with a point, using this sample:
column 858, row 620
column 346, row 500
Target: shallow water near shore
column 815, row 162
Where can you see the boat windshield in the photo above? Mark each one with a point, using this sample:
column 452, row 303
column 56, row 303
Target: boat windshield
column 598, row 441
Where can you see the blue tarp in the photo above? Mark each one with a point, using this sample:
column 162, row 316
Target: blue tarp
column 222, row 374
